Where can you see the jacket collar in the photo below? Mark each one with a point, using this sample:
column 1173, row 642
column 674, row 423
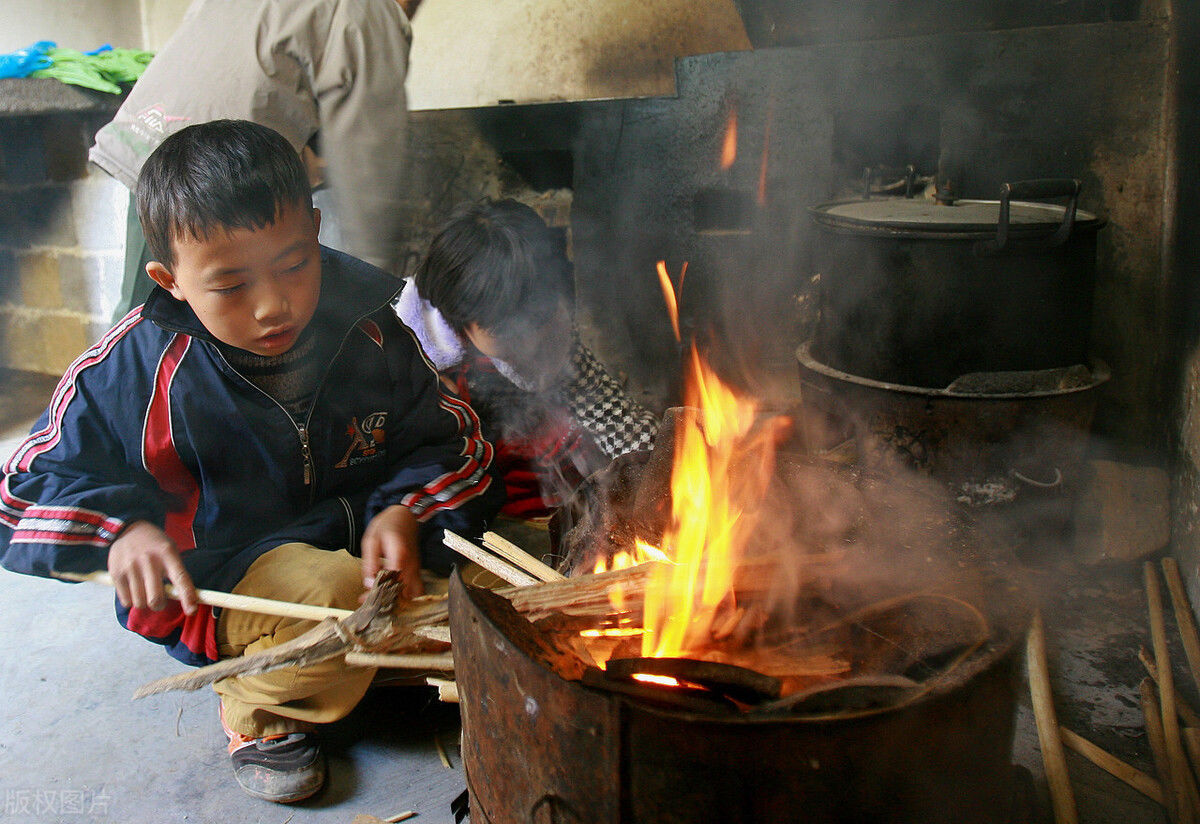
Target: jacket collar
column 350, row 290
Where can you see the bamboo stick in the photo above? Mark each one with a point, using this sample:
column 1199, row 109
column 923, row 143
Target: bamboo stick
column 497, row 566
column 1187, row 713
column 437, row 633
column 228, row 600
column 447, row 690
column 1061, row 797
column 1184, row 617
column 1146, row 785
column 512, row 553
column 443, row 661
column 1158, row 745
column 1180, row 777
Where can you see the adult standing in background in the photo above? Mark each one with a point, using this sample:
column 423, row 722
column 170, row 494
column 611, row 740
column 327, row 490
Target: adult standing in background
column 326, row 74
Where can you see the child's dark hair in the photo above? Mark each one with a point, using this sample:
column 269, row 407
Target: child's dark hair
column 494, row 263
column 228, row 174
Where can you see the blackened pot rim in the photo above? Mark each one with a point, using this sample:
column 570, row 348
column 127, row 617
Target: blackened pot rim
column 1099, row 371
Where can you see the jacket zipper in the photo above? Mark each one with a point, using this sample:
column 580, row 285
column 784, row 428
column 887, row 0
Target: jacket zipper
column 306, row 453
column 310, row 468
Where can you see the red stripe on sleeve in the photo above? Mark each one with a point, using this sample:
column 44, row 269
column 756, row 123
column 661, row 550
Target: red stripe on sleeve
column 158, row 450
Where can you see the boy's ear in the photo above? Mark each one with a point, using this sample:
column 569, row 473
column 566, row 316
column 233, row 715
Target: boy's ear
column 316, row 220
column 159, row 274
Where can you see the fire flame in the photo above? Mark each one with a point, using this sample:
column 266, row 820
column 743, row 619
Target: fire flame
column 722, row 464
column 729, row 144
column 723, row 460
column 717, row 483
column 766, row 153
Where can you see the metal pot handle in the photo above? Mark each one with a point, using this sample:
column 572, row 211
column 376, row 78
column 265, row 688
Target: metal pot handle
column 1039, row 190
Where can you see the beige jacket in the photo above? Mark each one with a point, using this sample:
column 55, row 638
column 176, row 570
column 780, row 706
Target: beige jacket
column 298, row 66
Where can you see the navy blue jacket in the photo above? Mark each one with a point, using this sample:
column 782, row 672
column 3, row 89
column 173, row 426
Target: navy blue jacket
column 152, row 423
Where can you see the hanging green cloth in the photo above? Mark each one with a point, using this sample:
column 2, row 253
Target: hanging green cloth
column 101, row 69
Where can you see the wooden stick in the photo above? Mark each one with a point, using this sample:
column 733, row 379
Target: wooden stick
column 1187, row 712
column 1114, row 766
column 1061, row 797
column 1158, row 744
column 497, row 566
column 366, row 626
column 447, row 690
column 438, row 633
column 512, row 553
column 441, row 751
column 1184, row 617
column 1180, row 782
column 444, row 661
column 398, row 817
column 228, row 600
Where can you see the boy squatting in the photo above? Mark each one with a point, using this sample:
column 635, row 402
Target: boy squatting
column 262, row 417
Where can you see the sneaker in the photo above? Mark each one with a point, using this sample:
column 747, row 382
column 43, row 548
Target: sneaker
column 281, row 768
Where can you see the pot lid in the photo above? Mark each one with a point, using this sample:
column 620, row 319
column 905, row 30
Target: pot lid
column 927, row 217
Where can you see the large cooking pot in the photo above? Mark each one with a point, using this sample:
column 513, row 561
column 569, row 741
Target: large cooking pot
column 918, row 292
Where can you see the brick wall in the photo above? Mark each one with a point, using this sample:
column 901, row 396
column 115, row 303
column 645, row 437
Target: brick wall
column 62, row 235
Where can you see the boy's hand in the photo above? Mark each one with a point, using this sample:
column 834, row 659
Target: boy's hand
column 390, row 542
column 138, row 561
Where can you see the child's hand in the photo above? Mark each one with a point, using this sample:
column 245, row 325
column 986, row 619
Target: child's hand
column 390, row 542
column 139, row 560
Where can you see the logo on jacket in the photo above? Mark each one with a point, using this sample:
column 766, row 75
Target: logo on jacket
column 366, row 440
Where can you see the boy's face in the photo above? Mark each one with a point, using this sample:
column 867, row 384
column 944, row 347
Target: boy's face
column 538, row 349
column 255, row 289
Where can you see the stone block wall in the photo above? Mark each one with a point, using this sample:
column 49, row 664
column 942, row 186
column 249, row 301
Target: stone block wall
column 62, row 236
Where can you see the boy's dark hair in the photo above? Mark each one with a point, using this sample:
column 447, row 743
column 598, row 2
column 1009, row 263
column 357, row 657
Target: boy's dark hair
column 228, row 174
column 495, row 263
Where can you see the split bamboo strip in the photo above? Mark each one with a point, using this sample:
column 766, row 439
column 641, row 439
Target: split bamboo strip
column 438, row 633
column 1158, row 745
column 497, row 566
column 441, row 751
column 1180, row 776
column 447, row 690
column 1187, row 712
column 1146, row 785
column 1061, row 797
column 444, row 662
column 228, row 600
column 512, row 553
column 1184, row 617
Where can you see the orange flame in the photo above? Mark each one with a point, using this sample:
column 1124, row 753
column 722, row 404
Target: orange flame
column 669, row 295
column 723, row 462
column 721, row 467
column 762, row 169
column 729, row 144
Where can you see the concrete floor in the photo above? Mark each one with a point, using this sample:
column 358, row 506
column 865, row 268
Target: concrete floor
column 75, row 748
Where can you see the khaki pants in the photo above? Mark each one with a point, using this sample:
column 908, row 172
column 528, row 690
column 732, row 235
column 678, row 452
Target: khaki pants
column 294, row 698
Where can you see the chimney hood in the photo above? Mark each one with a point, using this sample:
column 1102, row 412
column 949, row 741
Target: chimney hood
column 469, row 53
